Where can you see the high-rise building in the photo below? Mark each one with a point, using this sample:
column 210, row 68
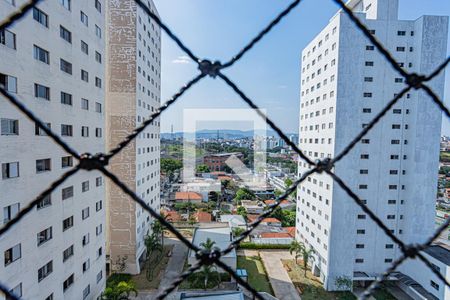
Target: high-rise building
column 345, row 82
column 133, row 93
column 51, row 60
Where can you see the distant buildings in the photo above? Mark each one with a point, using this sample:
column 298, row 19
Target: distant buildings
column 216, row 162
column 133, row 93
column 185, row 197
column 53, row 61
column 345, row 82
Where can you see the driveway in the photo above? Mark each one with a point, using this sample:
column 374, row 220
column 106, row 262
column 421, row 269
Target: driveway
column 282, row 285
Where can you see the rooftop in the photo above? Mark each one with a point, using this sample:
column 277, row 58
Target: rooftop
column 213, row 295
column 220, row 235
column 188, row 196
column 233, row 219
column 439, row 253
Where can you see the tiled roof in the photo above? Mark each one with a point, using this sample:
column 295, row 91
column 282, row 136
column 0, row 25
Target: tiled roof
column 187, row 196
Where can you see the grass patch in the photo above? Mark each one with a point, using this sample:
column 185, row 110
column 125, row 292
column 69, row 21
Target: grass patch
column 196, row 281
column 383, row 294
column 257, row 276
column 249, row 245
column 141, row 280
column 310, row 287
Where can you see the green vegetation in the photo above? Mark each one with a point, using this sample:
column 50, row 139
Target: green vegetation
column 119, row 286
column 284, row 163
column 444, row 170
column 286, row 216
column 288, row 182
column 241, row 211
column 244, row 194
column 383, row 294
column 309, row 286
column 142, row 281
column 301, row 251
column 257, row 276
column 197, row 280
column 170, row 165
column 185, row 206
column 444, row 156
column 253, row 246
column 202, row 169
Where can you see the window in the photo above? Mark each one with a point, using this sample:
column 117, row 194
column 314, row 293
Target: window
column 85, row 186
column 98, row 229
column 388, row 260
column 84, row 18
column 367, row 110
column 84, row 75
column 393, row 172
column 46, row 201
column 369, row 63
column 364, row 156
column 66, row 130
column 86, row 291
column 39, row 131
column 85, row 213
column 364, row 171
column 65, row 3
column 98, row 107
column 98, row 181
column 398, row 80
column 98, row 6
column 68, row 282
column 85, row 239
column 10, row 170
column 67, row 253
column 98, row 132
column 392, row 186
column 17, row 291
column 9, row 83
column 367, row 95
column 397, row 111
column 395, row 126
column 365, row 141
column 84, row 48
column 9, row 127
column 66, row 161
column 395, row 142
column 360, row 231
column 13, row 254
column 359, row 260
column 67, row 223
column 84, row 104
column 361, row 217
column 99, row 252
column 10, row 212
column 66, row 98
column 401, row 33
column 65, row 34
column 434, row 285
column 44, row 236
column 363, row 186
column 66, row 66
column 98, row 57
column 99, row 276
column 8, row 38
column 391, row 217
column 45, row 270
column 41, row 54
column 41, row 91
column 359, row 246
column 98, row 82
column 40, row 16
column 98, row 31
column 84, row 131
column 67, row 192
column 98, row 205
column 400, row 49
column 43, row 165
column 389, row 246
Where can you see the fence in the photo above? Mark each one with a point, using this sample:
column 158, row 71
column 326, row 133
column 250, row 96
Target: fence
column 99, row 162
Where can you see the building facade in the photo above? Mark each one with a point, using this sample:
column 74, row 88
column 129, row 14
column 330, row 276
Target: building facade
column 52, row 61
column 345, row 82
column 133, row 94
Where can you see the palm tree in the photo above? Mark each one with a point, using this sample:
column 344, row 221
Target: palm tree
column 206, row 273
column 307, row 255
column 296, row 247
column 208, row 244
column 121, row 291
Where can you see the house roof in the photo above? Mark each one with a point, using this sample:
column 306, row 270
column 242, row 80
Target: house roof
column 252, row 218
column 172, row 215
column 188, row 196
column 283, row 202
column 440, row 253
column 290, row 230
column 213, row 295
column 221, row 235
column 203, row 216
column 271, row 220
column 275, row 235
column 234, row 220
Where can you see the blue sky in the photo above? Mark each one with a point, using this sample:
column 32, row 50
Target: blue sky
column 269, row 73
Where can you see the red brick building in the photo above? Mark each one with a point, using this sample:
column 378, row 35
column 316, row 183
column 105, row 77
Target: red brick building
column 216, row 162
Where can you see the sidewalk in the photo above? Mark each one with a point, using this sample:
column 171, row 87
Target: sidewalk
column 282, row 285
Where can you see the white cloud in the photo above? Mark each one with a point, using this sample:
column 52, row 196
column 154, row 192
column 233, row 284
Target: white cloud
column 182, row 60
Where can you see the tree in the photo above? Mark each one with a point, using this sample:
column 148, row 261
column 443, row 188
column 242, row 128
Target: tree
column 120, row 291
column 288, row 182
column 343, row 283
column 244, row 194
column 208, row 244
column 170, row 165
column 237, row 231
column 296, row 248
column 202, row 169
column 206, row 273
column 241, row 211
column 307, row 256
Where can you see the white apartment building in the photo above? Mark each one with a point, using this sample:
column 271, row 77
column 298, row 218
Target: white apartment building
column 345, row 82
column 133, row 93
column 52, row 61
